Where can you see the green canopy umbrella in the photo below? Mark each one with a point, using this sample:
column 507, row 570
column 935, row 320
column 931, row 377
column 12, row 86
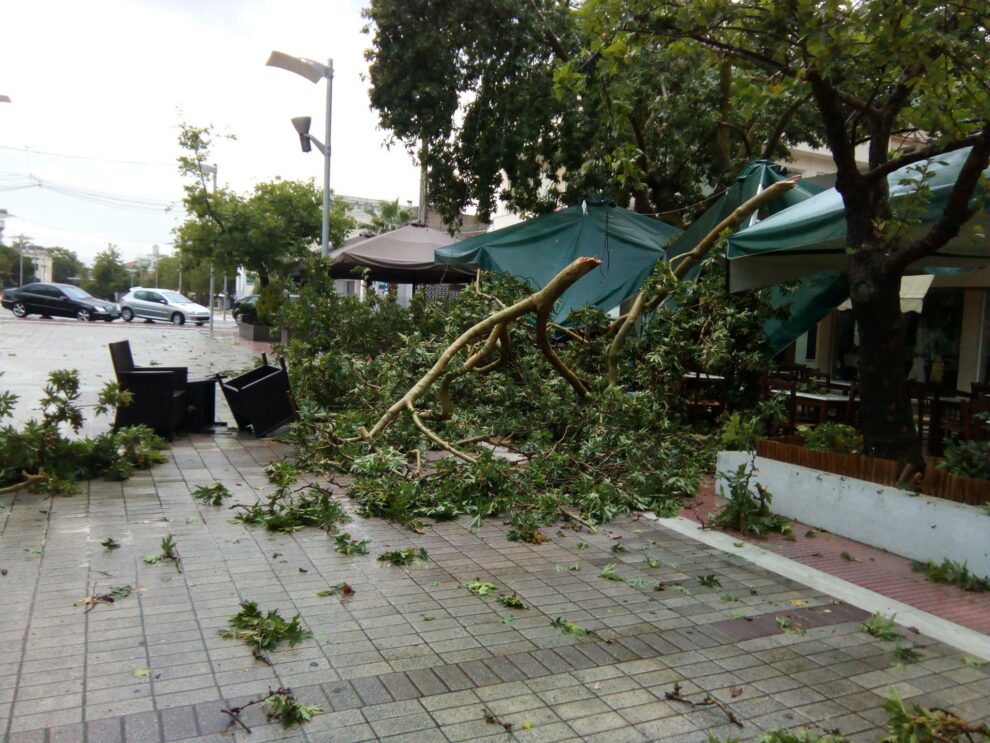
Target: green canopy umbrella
column 810, row 238
column 628, row 245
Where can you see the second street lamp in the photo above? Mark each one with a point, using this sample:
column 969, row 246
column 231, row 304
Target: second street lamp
column 314, row 72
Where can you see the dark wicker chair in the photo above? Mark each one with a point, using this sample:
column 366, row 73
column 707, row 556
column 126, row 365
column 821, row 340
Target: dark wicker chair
column 159, row 393
column 261, row 398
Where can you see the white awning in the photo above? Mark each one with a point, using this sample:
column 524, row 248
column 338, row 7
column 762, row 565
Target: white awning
column 913, row 291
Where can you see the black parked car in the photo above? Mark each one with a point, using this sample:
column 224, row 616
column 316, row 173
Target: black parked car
column 57, row 300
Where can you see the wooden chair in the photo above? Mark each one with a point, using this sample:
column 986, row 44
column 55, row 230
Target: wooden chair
column 261, row 398
column 787, row 388
column 704, row 395
column 159, row 393
column 819, row 378
column 852, row 417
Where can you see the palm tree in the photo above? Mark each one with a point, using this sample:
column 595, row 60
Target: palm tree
column 389, row 216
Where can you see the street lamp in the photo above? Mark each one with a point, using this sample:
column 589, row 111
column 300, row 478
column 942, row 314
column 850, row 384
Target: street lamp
column 314, row 72
column 212, row 169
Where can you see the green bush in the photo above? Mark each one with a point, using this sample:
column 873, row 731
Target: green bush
column 967, row 459
column 837, row 438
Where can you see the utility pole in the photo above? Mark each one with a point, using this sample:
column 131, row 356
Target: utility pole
column 22, row 242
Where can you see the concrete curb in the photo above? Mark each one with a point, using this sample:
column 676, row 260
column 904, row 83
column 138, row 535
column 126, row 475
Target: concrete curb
column 963, row 638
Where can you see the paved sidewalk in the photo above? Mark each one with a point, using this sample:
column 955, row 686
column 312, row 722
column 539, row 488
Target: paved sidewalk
column 413, row 655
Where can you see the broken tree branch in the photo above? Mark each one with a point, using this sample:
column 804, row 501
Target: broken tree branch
column 540, row 302
column 708, row 701
column 432, row 436
column 443, row 389
column 687, row 262
column 28, row 479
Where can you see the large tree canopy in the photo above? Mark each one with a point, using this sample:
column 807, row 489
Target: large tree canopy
column 875, row 70
column 555, row 106
column 66, row 265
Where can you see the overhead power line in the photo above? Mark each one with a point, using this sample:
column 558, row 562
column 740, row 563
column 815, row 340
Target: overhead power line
column 18, row 181
column 29, row 151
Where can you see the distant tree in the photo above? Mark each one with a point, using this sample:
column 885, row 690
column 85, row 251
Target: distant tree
column 108, row 275
column 168, row 272
column 389, row 216
column 10, row 267
column 267, row 232
column 66, row 265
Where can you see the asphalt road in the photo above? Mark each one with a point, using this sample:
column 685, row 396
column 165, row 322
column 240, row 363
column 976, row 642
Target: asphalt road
column 33, row 347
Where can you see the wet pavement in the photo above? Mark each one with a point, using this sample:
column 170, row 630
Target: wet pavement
column 33, row 347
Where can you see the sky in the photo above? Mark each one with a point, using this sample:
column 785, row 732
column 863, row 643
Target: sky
column 98, row 91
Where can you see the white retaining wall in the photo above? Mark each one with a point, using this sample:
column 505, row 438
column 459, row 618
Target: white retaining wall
column 914, row 526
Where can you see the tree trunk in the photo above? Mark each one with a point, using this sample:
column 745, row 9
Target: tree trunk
column 886, row 417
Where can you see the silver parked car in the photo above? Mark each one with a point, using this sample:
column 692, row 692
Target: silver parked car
column 161, row 304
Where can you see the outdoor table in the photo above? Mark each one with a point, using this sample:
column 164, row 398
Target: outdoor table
column 823, row 403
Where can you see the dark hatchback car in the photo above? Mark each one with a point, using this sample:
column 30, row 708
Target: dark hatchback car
column 57, row 300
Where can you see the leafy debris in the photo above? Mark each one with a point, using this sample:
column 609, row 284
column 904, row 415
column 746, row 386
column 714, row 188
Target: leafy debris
column 212, row 495
column 282, row 706
column 480, row 587
column 169, row 551
column 568, row 627
column 880, row 626
column 512, row 601
column 952, row 573
column 407, row 556
column 345, row 545
column 263, row 632
column 343, row 590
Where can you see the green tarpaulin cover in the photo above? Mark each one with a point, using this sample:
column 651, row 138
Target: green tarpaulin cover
column 628, row 245
column 812, row 299
column 810, row 237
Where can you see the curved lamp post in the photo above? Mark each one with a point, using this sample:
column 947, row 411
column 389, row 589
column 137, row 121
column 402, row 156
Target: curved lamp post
column 314, row 72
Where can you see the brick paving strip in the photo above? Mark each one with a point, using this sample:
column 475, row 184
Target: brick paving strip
column 413, row 655
column 870, row 568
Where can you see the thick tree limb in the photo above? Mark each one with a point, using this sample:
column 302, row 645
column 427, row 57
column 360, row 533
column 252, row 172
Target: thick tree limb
column 504, row 353
column 443, row 390
column 432, row 436
column 540, row 302
column 687, row 262
column 543, row 339
column 28, row 479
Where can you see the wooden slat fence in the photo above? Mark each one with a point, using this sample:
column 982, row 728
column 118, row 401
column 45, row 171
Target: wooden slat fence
column 937, row 482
